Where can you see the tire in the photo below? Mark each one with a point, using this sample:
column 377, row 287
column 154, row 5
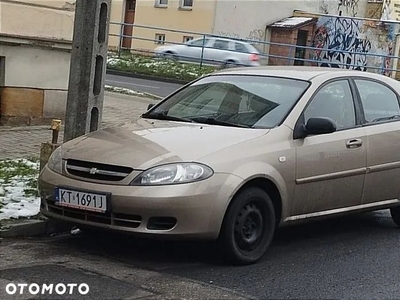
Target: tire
column 395, row 212
column 171, row 55
column 229, row 64
column 248, row 227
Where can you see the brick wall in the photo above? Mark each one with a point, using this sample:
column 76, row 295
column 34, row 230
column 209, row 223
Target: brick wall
column 285, row 36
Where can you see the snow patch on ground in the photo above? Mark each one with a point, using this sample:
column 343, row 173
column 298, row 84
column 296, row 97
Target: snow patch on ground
column 123, row 90
column 159, row 66
column 15, row 202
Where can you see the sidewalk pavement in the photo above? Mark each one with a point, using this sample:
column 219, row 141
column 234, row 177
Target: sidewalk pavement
column 60, row 259
column 25, row 142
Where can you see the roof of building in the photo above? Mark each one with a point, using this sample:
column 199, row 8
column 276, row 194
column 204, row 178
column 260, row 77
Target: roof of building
column 293, row 22
column 20, row 40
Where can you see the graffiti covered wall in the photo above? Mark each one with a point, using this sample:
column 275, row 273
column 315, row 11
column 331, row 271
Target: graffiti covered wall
column 346, row 42
column 349, row 6
column 249, row 19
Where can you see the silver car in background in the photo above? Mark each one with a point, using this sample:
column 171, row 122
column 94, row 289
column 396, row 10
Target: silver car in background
column 213, row 51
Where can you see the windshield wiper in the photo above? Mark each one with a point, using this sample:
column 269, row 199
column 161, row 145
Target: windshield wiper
column 386, row 118
column 163, row 116
column 213, row 121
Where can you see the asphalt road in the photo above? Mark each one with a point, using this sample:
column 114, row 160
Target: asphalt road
column 346, row 258
column 157, row 88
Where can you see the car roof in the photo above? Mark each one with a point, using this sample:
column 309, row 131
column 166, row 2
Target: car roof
column 225, row 39
column 295, row 72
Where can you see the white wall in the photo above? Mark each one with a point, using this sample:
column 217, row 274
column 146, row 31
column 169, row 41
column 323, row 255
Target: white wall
column 35, row 21
column 56, row 20
column 33, row 67
column 248, row 19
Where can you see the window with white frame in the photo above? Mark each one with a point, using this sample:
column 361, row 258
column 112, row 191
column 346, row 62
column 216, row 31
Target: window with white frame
column 186, row 3
column 161, row 3
column 187, row 38
column 160, row 38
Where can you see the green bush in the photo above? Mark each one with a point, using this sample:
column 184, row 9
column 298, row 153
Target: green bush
column 159, row 67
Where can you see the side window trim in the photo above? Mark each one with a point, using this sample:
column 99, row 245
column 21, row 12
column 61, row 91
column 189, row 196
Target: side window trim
column 357, row 103
column 364, row 122
column 301, row 119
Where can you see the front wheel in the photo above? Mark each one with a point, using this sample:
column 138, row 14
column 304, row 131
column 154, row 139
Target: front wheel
column 170, row 55
column 248, row 227
column 395, row 212
column 229, row 64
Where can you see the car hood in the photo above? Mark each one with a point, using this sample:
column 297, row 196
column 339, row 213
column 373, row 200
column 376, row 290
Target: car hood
column 147, row 143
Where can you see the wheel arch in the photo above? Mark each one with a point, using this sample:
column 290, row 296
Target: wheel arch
column 266, row 184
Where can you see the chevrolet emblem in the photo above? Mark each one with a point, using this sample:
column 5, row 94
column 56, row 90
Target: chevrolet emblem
column 93, row 171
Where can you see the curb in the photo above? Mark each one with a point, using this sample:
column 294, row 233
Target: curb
column 144, row 94
column 32, row 228
column 148, row 77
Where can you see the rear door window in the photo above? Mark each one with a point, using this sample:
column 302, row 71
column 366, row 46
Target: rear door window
column 221, row 45
column 379, row 102
column 241, row 48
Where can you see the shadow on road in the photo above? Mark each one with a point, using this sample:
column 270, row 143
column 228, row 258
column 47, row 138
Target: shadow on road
column 350, row 230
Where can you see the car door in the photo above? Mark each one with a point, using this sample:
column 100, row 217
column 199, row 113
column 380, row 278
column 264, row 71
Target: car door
column 241, row 54
column 381, row 111
column 330, row 168
column 217, row 52
column 192, row 50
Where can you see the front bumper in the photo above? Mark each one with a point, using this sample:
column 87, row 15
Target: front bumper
column 193, row 210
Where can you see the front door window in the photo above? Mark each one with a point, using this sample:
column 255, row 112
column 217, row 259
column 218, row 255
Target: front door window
column 334, row 101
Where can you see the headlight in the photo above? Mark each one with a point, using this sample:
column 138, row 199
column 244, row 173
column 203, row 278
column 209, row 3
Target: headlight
column 173, row 174
column 55, row 161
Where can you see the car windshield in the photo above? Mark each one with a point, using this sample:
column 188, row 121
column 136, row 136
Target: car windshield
column 233, row 100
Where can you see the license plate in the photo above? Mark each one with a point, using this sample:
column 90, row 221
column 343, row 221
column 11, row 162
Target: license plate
column 81, row 200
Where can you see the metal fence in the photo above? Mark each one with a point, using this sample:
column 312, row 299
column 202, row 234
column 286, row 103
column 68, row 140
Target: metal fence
column 145, row 40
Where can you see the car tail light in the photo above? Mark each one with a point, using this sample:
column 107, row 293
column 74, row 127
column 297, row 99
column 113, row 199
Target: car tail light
column 254, row 57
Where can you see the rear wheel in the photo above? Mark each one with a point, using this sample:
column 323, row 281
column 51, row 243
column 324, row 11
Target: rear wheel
column 248, row 227
column 395, row 212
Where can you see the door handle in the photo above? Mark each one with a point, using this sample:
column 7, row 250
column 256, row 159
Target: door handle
column 354, row 143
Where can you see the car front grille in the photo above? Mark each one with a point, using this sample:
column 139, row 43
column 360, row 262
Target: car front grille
column 109, row 218
column 97, row 171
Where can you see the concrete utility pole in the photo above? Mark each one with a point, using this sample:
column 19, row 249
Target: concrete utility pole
column 88, row 68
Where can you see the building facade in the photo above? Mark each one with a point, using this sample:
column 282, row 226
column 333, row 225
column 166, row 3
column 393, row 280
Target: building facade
column 52, row 19
column 34, row 76
column 168, row 17
column 249, row 19
column 174, row 21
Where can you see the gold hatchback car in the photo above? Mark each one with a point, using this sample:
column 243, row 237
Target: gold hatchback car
column 235, row 154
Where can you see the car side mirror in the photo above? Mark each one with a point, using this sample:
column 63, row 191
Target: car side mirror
column 319, row 126
column 150, row 106
column 315, row 126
